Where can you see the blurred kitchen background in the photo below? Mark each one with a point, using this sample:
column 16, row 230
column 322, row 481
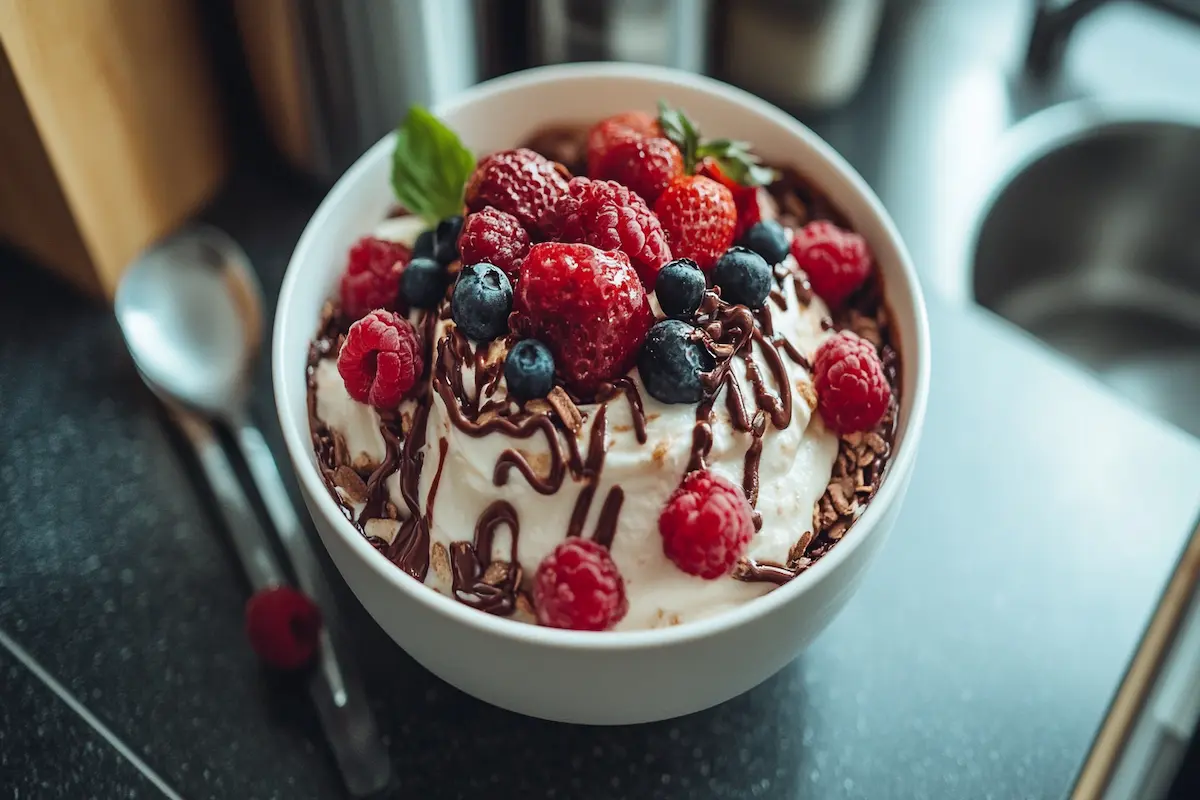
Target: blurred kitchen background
column 1040, row 157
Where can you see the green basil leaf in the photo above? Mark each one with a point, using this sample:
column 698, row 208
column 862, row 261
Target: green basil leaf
column 430, row 166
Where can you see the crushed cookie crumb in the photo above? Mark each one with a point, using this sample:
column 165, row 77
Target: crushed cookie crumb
column 659, row 456
column 496, row 573
column 566, row 410
column 525, row 605
column 390, row 509
column 799, row 548
column 439, row 559
column 808, row 393
column 382, row 529
column 351, row 483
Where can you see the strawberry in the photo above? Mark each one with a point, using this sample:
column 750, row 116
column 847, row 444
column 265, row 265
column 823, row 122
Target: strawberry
column 745, row 198
column 699, row 217
column 645, row 165
column 520, row 182
column 607, row 215
column 587, row 305
column 618, row 128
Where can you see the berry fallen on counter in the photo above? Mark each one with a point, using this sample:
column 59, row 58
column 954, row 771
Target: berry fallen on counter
column 680, row 288
column 836, row 261
column 579, row 587
column 380, row 359
column 706, row 525
column 482, row 301
column 768, row 239
column 529, row 370
column 283, row 626
column 852, row 391
column 372, row 276
column 587, row 305
column 494, row 237
column 519, row 182
column 647, row 166
column 743, row 276
column 699, row 218
column 609, row 216
column 671, row 361
column 608, row 132
column 424, row 282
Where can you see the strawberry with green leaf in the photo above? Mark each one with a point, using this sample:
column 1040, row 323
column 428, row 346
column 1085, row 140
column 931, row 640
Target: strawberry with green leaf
column 727, row 161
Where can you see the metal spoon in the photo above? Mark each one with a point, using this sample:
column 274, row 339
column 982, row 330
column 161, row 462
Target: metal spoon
column 191, row 312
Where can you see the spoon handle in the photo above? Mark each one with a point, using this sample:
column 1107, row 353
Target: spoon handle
column 336, row 687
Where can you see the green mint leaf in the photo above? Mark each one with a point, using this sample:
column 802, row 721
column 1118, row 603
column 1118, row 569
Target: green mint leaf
column 680, row 130
column 430, row 166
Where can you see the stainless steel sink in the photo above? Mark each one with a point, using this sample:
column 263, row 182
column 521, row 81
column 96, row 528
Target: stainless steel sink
column 1092, row 244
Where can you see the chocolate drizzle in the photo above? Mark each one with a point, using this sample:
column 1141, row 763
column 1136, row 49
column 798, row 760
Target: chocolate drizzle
column 470, row 563
column 749, row 366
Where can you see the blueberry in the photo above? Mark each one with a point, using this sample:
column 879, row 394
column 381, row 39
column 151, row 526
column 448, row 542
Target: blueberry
column 768, row 239
column 671, row 360
column 529, row 370
column 482, row 300
column 680, row 288
column 423, row 283
column 743, row 276
column 445, row 239
column 423, row 247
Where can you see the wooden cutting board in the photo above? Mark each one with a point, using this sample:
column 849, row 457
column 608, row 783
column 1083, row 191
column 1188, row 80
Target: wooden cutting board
column 112, row 131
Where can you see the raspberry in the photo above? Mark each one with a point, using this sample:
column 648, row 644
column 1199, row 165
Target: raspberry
column 745, row 198
column 615, row 129
column 646, row 165
column 283, row 626
column 607, row 215
column 706, row 525
column 579, row 587
column 380, row 359
column 372, row 276
column 852, row 391
column 587, row 305
column 519, row 182
column 836, row 261
column 494, row 237
column 699, row 217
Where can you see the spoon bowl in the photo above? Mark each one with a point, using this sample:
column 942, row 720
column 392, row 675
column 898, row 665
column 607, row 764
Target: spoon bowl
column 190, row 309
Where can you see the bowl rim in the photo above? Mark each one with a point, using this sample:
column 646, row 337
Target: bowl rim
column 889, row 493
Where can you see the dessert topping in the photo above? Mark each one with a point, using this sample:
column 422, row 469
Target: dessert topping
column 445, row 239
column 671, row 362
column 645, row 165
column 852, row 389
column 424, row 282
column 520, row 182
column 609, row 216
column 768, row 239
column 836, row 261
column 482, row 301
column 430, row 166
column 380, row 359
column 529, row 370
column 579, row 587
column 743, row 276
column 706, row 525
column 614, row 130
column 372, row 276
column 588, row 306
column 680, row 288
column 496, row 237
column 699, row 218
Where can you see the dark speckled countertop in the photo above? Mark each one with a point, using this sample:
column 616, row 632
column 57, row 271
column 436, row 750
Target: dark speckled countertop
column 976, row 661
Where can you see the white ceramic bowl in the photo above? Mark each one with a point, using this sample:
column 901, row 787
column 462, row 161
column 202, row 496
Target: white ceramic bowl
column 612, row 677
